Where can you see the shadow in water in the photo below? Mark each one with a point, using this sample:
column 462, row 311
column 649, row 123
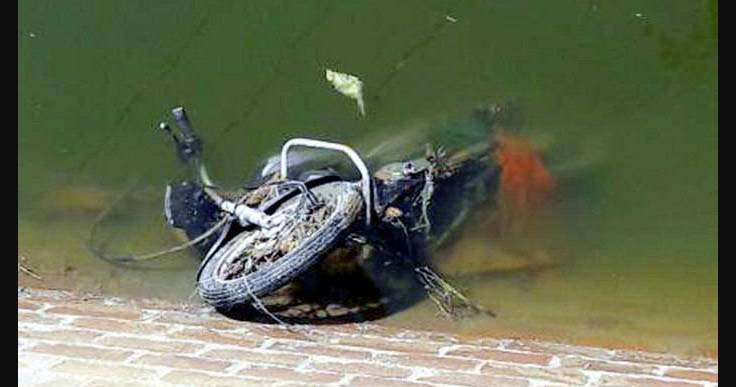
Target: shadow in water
column 336, row 294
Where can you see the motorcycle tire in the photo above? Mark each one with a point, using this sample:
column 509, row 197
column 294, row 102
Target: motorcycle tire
column 227, row 294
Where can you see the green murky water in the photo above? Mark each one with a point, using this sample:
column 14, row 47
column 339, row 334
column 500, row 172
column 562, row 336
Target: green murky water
column 622, row 95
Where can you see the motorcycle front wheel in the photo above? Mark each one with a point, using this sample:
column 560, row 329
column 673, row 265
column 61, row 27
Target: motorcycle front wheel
column 257, row 262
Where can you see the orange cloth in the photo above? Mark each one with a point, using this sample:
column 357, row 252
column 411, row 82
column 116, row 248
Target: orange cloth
column 525, row 182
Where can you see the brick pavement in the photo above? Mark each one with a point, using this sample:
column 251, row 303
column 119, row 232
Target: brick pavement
column 68, row 339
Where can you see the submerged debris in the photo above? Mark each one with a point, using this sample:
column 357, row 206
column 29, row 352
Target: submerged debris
column 22, row 268
column 451, row 303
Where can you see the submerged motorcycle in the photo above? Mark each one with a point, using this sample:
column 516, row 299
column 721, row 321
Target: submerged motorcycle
column 293, row 214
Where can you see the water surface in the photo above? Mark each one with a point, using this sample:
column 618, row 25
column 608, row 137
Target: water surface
column 622, row 97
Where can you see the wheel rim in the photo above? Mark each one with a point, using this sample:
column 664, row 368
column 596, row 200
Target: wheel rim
column 239, row 248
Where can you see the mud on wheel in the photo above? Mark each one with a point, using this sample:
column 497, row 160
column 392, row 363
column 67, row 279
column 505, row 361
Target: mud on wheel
column 256, row 262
